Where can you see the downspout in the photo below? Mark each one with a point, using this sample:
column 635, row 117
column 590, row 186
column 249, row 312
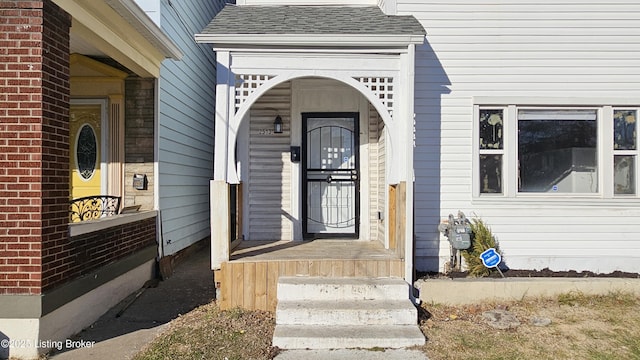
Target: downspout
column 156, row 170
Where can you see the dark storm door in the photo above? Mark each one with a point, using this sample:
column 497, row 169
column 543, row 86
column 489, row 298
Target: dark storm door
column 330, row 183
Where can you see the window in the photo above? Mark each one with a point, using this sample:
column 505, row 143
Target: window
column 491, row 150
column 556, row 151
column 625, row 150
column 86, row 152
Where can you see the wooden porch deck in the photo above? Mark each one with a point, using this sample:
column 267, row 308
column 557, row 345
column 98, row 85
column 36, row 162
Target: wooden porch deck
column 311, row 250
column 249, row 279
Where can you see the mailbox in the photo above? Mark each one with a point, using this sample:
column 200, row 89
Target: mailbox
column 140, row 181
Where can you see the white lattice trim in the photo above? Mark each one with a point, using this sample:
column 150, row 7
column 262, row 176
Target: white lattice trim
column 382, row 87
column 246, row 84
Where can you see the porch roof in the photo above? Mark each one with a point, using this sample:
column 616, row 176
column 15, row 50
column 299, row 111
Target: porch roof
column 311, row 25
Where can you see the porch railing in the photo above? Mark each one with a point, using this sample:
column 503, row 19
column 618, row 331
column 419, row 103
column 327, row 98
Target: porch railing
column 93, row 207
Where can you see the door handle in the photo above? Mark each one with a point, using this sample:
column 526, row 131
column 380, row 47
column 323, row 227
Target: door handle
column 354, row 175
column 329, row 179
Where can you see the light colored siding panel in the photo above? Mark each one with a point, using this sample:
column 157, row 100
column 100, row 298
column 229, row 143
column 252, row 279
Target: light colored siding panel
column 185, row 129
column 376, row 161
column 269, row 191
column 382, row 184
column 546, row 48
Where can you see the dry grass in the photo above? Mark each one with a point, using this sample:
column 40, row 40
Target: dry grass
column 209, row 333
column 583, row 327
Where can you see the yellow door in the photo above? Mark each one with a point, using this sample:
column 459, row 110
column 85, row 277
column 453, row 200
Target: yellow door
column 84, row 155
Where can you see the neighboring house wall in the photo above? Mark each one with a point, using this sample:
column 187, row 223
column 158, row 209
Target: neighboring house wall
column 550, row 50
column 185, row 126
column 50, row 270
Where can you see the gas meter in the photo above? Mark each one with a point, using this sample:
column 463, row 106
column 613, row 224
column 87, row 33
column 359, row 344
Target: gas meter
column 458, row 232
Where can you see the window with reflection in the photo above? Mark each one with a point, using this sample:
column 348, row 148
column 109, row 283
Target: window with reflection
column 87, row 152
column 624, row 151
column 558, row 151
column 491, row 143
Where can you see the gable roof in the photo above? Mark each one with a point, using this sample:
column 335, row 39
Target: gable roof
column 310, row 25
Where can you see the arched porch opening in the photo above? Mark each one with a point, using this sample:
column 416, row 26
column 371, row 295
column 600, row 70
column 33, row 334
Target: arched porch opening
column 274, row 191
column 377, row 90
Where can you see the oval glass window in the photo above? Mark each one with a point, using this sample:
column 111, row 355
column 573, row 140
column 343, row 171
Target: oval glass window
column 86, row 152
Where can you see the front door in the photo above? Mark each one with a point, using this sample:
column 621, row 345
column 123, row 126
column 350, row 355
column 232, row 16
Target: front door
column 330, row 183
column 85, row 155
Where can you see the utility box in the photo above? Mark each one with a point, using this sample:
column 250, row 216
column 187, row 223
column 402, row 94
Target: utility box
column 457, row 231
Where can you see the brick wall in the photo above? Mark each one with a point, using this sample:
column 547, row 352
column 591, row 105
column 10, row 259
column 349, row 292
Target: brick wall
column 34, row 146
column 88, row 252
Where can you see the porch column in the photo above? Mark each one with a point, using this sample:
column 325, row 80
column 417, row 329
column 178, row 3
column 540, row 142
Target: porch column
column 219, row 187
column 409, row 74
column 220, row 223
column 221, row 147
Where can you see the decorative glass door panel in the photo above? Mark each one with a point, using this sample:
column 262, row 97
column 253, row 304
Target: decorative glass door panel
column 330, row 176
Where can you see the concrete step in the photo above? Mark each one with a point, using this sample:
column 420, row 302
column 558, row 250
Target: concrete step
column 317, row 288
column 337, row 312
column 340, row 337
column 351, row 354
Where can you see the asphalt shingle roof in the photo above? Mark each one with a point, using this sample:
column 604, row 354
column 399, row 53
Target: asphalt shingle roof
column 315, row 20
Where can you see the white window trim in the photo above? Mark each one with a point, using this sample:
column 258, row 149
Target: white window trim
column 635, row 153
column 605, row 149
column 478, row 152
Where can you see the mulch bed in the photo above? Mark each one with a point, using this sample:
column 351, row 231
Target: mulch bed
column 513, row 273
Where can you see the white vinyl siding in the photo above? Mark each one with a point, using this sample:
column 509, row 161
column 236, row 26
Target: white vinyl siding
column 185, row 126
column 382, row 185
column 564, row 50
column 269, row 187
column 376, row 175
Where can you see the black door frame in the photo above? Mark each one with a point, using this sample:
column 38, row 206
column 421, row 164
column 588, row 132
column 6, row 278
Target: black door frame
column 356, row 151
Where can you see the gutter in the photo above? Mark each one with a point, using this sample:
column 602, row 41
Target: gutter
column 332, row 40
column 131, row 12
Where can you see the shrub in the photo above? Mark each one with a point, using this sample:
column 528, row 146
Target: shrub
column 481, row 240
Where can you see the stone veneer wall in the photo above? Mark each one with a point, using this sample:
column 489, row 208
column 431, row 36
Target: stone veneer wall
column 139, row 140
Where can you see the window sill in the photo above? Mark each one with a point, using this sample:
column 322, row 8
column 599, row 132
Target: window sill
column 80, row 228
column 558, row 200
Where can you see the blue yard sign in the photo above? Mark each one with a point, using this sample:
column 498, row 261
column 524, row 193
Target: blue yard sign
column 490, row 258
